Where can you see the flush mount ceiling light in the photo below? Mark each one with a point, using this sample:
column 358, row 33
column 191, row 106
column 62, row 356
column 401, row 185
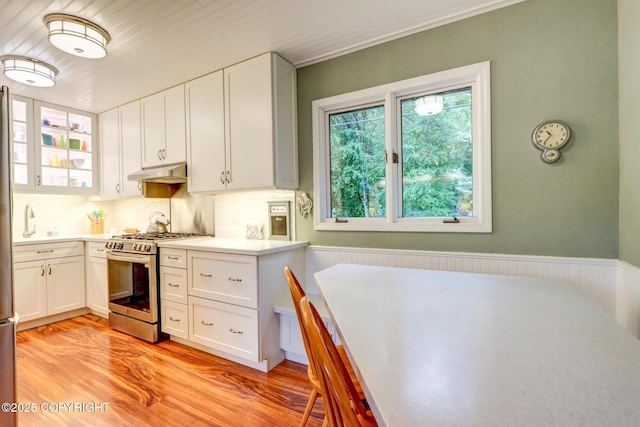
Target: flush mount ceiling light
column 429, row 105
column 77, row 36
column 29, row 71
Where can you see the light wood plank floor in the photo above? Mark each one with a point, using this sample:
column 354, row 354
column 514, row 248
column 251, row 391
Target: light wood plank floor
column 83, row 361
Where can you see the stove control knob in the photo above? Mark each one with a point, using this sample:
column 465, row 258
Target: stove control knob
column 147, row 248
column 135, row 247
column 120, row 245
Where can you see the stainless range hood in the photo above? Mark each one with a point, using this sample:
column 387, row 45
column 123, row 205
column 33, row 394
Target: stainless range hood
column 166, row 174
column 161, row 181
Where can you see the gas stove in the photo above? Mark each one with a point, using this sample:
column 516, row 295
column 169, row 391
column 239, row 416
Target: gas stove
column 144, row 243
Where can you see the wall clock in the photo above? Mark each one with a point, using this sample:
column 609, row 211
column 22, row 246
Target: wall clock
column 549, row 137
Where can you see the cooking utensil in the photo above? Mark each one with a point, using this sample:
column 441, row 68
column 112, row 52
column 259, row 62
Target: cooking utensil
column 158, row 223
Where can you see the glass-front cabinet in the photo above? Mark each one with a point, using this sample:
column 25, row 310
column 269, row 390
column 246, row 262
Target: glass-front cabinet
column 65, row 147
column 22, row 141
column 53, row 148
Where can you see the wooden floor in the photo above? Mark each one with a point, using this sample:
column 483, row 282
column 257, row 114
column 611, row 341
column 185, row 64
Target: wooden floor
column 83, row 363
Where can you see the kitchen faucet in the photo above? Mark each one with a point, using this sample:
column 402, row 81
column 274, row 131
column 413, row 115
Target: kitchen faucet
column 28, row 213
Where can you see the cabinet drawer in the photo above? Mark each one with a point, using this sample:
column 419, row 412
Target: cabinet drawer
column 222, row 277
column 173, row 257
column 47, row 251
column 224, row 327
column 175, row 319
column 96, row 249
column 173, row 284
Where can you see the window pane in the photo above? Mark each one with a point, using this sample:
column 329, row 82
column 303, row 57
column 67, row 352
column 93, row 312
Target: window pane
column 437, row 154
column 357, row 150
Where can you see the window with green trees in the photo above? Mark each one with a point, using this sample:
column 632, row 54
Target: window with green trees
column 408, row 156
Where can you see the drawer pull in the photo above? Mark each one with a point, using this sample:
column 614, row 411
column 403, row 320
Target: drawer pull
column 42, row 270
column 205, row 275
column 205, row 323
column 173, row 286
column 235, row 331
column 44, row 251
column 173, row 319
column 173, row 258
column 233, row 279
column 100, row 250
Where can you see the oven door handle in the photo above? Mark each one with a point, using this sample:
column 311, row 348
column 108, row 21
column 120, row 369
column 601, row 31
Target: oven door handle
column 140, row 259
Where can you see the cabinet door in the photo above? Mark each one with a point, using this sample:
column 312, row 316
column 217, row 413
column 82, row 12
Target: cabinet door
column 174, row 318
column 30, row 289
column 65, row 147
column 205, row 133
column 225, row 327
column 153, row 133
column 97, row 285
column 65, row 284
column 173, row 284
column 130, row 148
column 249, row 123
column 175, row 132
column 21, row 123
column 110, row 142
column 228, row 278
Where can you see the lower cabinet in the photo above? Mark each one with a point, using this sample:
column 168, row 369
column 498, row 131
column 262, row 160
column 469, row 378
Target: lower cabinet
column 224, row 303
column 174, row 316
column 96, row 278
column 48, row 279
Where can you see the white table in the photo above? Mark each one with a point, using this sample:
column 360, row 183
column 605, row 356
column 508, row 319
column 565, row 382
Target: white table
column 435, row 348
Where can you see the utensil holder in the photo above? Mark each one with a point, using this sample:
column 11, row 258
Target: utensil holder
column 97, row 227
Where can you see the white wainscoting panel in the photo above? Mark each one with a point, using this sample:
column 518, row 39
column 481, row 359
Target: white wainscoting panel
column 628, row 297
column 596, row 277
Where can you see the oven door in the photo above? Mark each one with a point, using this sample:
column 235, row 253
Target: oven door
column 133, row 285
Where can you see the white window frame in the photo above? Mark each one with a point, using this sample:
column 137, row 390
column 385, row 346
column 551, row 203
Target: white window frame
column 476, row 76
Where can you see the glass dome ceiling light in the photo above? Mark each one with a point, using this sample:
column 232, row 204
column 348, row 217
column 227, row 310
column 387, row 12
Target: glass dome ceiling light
column 429, row 105
column 77, row 36
column 29, row 71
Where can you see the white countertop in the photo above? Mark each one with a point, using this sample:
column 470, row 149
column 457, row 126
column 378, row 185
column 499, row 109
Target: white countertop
column 234, row 246
column 34, row 240
column 460, row 349
column 211, row 244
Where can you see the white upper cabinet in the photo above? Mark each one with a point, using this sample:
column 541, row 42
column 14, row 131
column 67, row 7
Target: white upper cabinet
column 65, row 154
column 163, row 128
column 120, row 138
column 259, row 146
column 205, row 133
column 22, row 142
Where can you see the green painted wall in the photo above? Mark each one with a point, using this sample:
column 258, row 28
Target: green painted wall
column 550, row 59
column 629, row 89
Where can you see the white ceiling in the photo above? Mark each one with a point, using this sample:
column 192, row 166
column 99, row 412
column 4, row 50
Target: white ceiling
column 156, row 44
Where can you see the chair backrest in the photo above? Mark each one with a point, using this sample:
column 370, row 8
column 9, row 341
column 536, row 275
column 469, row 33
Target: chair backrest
column 297, row 293
column 342, row 402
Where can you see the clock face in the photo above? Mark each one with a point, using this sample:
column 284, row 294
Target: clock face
column 551, row 135
column 550, row 156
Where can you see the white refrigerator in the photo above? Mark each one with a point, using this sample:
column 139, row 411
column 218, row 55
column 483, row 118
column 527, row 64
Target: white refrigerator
column 7, row 324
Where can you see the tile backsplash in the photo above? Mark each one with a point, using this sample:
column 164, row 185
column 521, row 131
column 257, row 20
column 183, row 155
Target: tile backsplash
column 223, row 215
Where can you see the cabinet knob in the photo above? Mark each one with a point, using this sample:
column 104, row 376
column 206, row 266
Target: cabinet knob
column 118, row 188
column 42, row 270
column 222, row 177
column 159, row 154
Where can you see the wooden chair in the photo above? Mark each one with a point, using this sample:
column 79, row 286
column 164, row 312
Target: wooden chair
column 297, row 293
column 343, row 404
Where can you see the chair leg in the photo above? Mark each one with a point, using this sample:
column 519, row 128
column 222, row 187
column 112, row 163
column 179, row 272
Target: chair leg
column 307, row 410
